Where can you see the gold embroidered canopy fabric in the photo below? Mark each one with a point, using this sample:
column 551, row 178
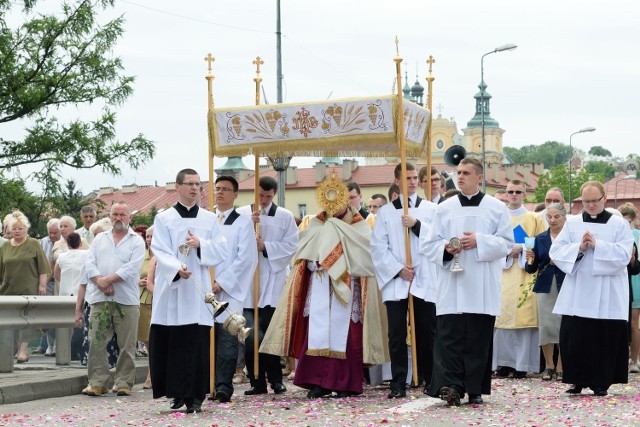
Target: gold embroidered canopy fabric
column 348, row 127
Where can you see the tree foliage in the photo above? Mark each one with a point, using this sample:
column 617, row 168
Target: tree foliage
column 597, row 150
column 559, row 177
column 64, row 60
column 15, row 196
column 550, row 154
column 602, row 169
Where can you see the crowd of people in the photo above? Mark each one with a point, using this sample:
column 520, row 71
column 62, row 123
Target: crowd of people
column 470, row 285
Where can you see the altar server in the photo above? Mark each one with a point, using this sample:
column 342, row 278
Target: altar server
column 468, row 301
column 181, row 321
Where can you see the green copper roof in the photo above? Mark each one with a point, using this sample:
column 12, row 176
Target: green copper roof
column 233, row 163
column 476, row 121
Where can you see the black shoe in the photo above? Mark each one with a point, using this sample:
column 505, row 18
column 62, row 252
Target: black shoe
column 317, row 392
column 503, row 371
column 195, row 407
column 278, row 388
column 222, row 396
column 345, row 394
column 450, row 395
column 599, row 391
column 576, row 389
column 397, row 393
column 176, row 403
column 519, row 375
column 475, row 399
column 255, row 390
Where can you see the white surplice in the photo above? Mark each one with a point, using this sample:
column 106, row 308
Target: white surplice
column 181, row 302
column 389, row 256
column 596, row 285
column 235, row 274
column 280, row 236
column 477, row 288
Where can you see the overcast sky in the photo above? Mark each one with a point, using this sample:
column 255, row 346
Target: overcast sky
column 574, row 67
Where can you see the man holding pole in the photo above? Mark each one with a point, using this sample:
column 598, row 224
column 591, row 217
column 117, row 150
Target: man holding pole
column 469, row 238
column 397, row 279
column 234, row 280
column 276, row 243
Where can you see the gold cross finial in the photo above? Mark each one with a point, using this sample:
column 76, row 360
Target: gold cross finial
column 258, row 62
column 397, row 49
column 209, row 58
column 430, row 61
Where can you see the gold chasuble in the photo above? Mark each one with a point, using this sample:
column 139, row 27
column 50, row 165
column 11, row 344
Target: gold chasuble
column 519, row 308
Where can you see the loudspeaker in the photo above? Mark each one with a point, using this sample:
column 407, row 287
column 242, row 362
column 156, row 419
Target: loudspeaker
column 454, row 154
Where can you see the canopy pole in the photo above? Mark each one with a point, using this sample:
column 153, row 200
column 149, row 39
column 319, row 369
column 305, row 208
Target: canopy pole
column 212, row 335
column 403, row 181
column 430, row 80
column 256, row 276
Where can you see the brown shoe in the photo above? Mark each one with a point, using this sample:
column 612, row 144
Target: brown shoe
column 124, row 391
column 96, row 391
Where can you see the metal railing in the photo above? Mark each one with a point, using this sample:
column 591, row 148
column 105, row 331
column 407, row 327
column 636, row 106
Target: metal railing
column 32, row 311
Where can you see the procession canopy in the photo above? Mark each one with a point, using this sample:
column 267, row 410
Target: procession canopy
column 347, row 127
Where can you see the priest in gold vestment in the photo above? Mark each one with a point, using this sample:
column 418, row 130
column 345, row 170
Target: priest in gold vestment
column 515, row 341
column 329, row 315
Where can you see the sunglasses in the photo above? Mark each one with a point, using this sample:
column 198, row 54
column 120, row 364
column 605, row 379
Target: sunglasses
column 515, row 192
column 553, row 201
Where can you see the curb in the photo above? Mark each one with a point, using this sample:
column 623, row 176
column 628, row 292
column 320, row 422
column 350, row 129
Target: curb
column 55, row 384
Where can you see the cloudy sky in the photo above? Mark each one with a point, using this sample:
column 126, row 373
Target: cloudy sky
column 574, row 66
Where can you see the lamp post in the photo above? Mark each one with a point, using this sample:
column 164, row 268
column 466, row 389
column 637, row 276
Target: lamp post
column 280, row 164
column 588, row 129
column 624, row 178
column 503, row 48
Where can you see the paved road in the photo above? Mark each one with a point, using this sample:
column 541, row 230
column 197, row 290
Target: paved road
column 526, row 402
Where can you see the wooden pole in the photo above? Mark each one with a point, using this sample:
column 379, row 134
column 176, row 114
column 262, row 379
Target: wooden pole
column 212, row 336
column 256, row 275
column 403, row 181
column 430, row 80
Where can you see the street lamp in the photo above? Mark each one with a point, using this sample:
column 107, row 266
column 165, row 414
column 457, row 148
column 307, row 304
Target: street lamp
column 505, row 47
column 280, row 164
column 624, row 178
column 588, row 129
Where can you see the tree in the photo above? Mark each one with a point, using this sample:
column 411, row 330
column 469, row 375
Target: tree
column 550, row 154
column 15, row 196
column 64, row 60
column 602, row 169
column 597, row 150
column 559, row 177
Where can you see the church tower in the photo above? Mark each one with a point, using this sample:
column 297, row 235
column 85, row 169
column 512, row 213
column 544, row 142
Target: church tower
column 492, row 131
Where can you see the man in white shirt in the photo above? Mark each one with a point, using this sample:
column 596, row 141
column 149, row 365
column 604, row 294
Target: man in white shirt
column 113, row 269
column 276, row 244
column 88, row 216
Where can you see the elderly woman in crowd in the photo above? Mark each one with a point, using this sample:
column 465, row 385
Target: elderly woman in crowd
column 594, row 249
column 547, row 287
column 24, row 270
column 67, row 225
